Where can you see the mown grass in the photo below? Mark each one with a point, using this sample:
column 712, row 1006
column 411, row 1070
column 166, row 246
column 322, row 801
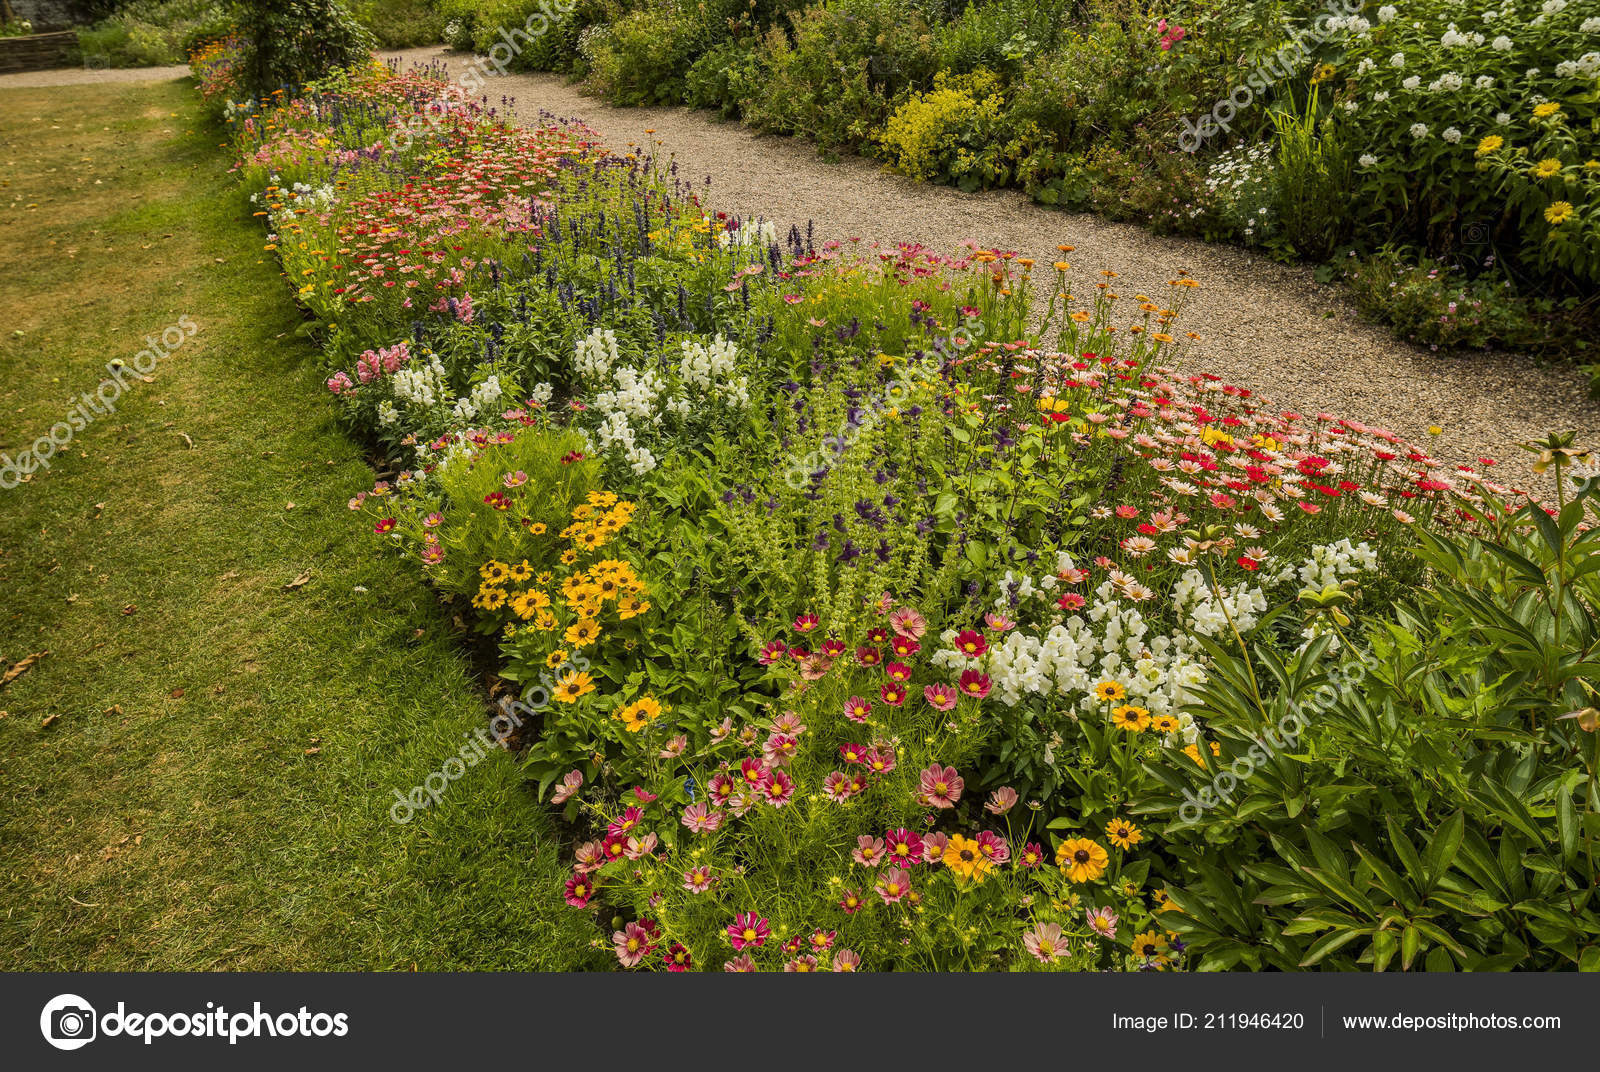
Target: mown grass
column 199, row 774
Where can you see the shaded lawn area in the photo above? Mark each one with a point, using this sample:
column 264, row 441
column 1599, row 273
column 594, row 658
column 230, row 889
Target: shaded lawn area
column 199, row 774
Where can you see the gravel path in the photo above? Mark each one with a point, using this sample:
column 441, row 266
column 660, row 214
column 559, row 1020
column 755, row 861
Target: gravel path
column 78, row 76
column 1263, row 325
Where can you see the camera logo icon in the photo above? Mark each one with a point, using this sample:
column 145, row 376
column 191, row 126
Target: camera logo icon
column 68, row 1022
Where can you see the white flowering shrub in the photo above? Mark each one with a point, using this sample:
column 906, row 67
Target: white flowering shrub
column 1435, row 86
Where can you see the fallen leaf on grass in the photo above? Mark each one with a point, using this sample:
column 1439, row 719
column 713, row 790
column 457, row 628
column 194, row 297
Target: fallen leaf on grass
column 176, row 694
column 185, row 437
column 114, row 709
column 47, row 720
column 21, row 667
column 312, row 751
column 129, row 609
column 298, row 582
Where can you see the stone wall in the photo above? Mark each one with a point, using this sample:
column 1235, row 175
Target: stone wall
column 38, row 52
column 49, row 15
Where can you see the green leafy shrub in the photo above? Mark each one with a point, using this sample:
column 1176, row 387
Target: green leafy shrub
column 400, row 23
column 151, row 33
column 293, row 42
column 642, row 57
column 952, row 133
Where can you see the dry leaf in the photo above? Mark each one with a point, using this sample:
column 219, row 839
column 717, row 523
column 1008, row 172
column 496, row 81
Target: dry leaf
column 114, row 709
column 185, row 437
column 312, row 751
column 21, row 667
column 129, row 609
column 288, row 506
column 297, row 582
column 176, row 694
column 47, row 720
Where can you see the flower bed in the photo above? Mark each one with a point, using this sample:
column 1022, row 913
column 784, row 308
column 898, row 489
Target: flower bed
column 858, row 627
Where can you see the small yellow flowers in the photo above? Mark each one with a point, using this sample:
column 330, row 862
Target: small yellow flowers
column 1558, row 212
column 639, row 714
column 1490, row 144
column 1109, row 690
column 1546, row 110
column 1123, row 834
column 1082, row 860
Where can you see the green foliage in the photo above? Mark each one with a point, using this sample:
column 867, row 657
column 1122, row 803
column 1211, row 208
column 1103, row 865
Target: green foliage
column 400, row 23
column 643, row 57
column 292, row 42
column 152, row 32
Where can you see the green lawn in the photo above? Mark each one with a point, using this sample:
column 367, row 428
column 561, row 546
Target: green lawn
column 199, row 774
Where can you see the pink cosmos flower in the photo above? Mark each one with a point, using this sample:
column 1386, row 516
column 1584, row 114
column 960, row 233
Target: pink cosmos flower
column 941, row 697
column 779, row 749
column 836, row 787
column 971, row 643
column 869, row 656
column 625, row 822
column 772, row 652
column 908, row 623
column 632, row 944
column 579, row 890
column 789, row 722
column 869, row 851
column 677, row 958
column 748, row 929
column 643, row 795
column 805, row 623
column 905, row 646
column 697, row 879
column 822, row 941
column 384, row 527
column 807, row 963
column 1032, row 855
column 779, row 789
column 853, row 753
column 701, row 819
column 1071, row 601
column 893, row 885
column 856, row 709
column 894, row 694
column 880, row 760
column 999, row 622
column 639, row 848
column 754, row 773
column 591, row 856
column 851, row 902
column 974, row 684
column 1001, row 801
column 515, row 480
column 933, row 847
column 570, row 784
column 433, row 554
column 994, row 847
column 1045, row 942
column 904, row 848
column 1102, row 921
column 940, row 787
column 741, row 963
column 720, row 788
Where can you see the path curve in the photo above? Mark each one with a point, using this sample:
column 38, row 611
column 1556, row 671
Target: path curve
column 1264, row 325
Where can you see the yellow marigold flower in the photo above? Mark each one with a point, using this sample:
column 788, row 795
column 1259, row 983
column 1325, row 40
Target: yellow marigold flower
column 1558, row 212
column 1547, row 167
column 1490, row 144
column 1082, row 860
column 1545, row 110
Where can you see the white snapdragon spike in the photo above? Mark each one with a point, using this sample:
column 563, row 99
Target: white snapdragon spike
column 1332, row 562
column 420, row 386
column 596, row 354
column 749, row 233
column 463, row 410
column 703, row 366
column 542, row 393
column 1208, row 612
column 486, row 394
column 387, row 414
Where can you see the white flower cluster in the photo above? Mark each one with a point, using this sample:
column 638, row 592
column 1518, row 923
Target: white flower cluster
column 1331, row 562
column 634, row 399
column 420, row 385
column 480, row 400
column 1207, row 612
column 596, row 354
column 749, row 233
column 1112, row 644
column 708, row 368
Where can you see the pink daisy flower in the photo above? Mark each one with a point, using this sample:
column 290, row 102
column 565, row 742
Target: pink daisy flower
column 904, row 848
column 570, row 784
column 869, row 851
column 893, row 885
column 856, row 709
column 908, row 623
column 748, row 929
column 940, row 787
column 1001, row 801
column 941, row 697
